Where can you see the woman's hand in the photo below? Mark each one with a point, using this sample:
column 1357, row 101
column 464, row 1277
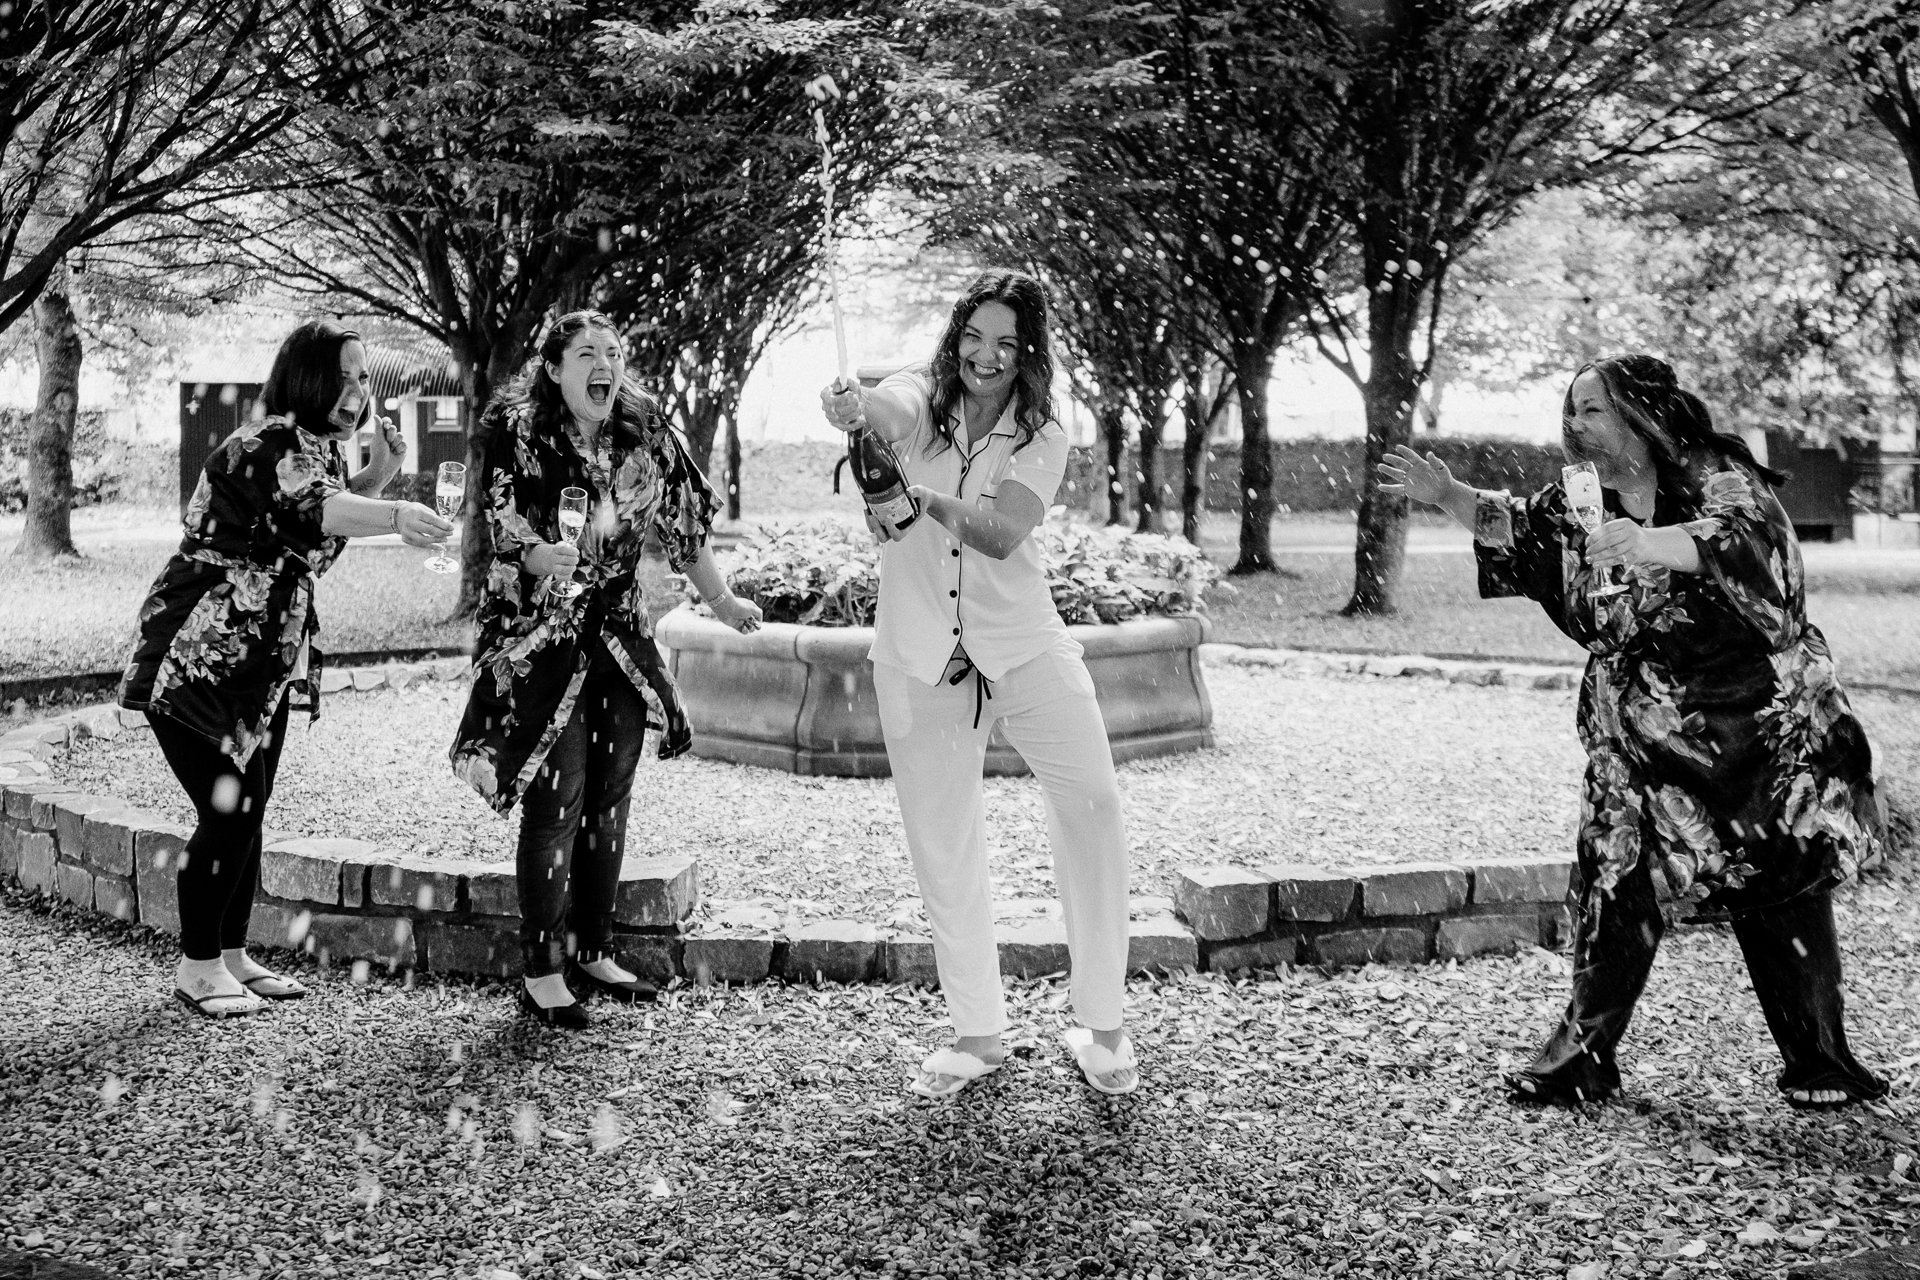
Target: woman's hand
column 420, row 526
column 845, row 403
column 548, row 559
column 742, row 615
column 1422, row 479
column 882, row 531
column 388, row 447
column 1621, row 541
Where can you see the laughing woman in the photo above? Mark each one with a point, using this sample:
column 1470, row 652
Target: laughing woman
column 967, row 637
column 566, row 685
column 1722, row 756
column 225, row 631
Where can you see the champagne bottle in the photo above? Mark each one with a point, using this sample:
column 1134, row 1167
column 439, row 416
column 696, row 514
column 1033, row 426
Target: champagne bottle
column 882, row 483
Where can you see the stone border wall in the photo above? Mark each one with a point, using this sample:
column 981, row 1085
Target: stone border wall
column 348, row 901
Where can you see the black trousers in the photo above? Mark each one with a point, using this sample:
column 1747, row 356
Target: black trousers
column 222, row 868
column 573, row 823
column 1792, row 954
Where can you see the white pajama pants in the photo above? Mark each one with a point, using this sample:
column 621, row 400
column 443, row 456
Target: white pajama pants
column 1047, row 711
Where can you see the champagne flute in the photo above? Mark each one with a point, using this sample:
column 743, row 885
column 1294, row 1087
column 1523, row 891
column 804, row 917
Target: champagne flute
column 573, row 523
column 1582, row 481
column 449, row 490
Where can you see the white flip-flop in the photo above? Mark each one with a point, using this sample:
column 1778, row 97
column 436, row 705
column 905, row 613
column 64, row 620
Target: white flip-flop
column 1096, row 1061
column 956, row 1069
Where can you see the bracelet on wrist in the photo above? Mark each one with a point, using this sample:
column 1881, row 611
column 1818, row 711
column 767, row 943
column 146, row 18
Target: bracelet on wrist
column 393, row 517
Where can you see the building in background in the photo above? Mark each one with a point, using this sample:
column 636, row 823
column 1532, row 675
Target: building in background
column 417, row 387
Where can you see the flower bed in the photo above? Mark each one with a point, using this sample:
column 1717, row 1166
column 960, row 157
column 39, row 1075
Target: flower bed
column 826, row 573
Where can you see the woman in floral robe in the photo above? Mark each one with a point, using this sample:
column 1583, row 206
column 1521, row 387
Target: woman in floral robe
column 225, row 633
column 1723, row 760
column 565, row 687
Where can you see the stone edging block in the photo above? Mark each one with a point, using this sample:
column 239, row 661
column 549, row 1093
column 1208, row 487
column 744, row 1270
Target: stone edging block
column 1302, row 892
column 1411, row 888
column 1223, row 902
column 1521, row 879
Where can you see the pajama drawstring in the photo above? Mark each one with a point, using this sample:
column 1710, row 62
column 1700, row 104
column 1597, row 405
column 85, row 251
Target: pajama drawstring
column 982, row 687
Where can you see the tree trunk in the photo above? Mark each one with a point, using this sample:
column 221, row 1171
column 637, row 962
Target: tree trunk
column 1193, row 467
column 476, row 538
column 733, row 461
column 1152, row 429
column 1201, row 409
column 1252, row 369
column 1431, row 392
column 705, row 404
column 1113, row 430
column 1392, row 387
column 49, row 526
column 703, row 427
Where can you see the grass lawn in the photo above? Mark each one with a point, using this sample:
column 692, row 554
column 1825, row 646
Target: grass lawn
column 75, row 616
column 78, row 617
column 1867, row 602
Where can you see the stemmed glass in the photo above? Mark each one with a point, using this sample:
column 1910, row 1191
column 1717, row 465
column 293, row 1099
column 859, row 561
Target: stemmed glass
column 1582, row 482
column 449, row 490
column 573, row 523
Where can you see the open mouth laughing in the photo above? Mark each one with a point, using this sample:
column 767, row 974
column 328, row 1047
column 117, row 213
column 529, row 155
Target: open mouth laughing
column 600, row 389
column 985, row 372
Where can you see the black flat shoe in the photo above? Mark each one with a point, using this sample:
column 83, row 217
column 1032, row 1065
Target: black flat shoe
column 567, row 1017
column 636, row 992
column 1525, row 1086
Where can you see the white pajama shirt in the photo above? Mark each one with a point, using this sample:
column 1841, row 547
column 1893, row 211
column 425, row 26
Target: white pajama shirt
column 936, row 595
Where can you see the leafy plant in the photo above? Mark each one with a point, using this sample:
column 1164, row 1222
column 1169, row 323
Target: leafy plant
column 827, row 574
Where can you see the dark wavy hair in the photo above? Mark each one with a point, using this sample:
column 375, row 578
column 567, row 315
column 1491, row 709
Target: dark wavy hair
column 1650, row 400
column 634, row 411
column 1033, row 375
column 304, row 383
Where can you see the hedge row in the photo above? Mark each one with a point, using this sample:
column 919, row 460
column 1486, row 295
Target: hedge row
column 1314, row 474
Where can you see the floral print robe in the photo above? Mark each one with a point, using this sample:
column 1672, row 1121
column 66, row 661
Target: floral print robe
column 1719, row 744
column 225, row 626
column 533, row 648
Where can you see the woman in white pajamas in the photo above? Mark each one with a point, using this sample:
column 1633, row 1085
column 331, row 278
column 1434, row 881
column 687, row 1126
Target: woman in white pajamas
column 966, row 637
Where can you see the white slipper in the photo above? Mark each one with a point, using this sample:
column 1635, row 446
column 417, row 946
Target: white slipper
column 1100, row 1064
column 947, row 1072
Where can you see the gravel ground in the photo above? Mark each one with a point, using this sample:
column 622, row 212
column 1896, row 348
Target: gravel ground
column 1300, row 1126
column 1318, row 769
column 1311, row 769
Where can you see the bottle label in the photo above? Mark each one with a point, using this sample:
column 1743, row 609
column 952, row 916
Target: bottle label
column 897, row 511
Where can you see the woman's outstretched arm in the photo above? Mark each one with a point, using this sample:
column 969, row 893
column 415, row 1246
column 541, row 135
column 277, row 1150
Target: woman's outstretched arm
column 890, row 412
column 1428, row 480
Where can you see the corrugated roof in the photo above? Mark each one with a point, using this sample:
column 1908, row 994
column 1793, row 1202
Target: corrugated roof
column 399, row 369
column 424, row 369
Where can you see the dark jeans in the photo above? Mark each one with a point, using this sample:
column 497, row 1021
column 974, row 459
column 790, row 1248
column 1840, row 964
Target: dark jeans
column 1792, row 955
column 573, row 822
column 222, row 865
